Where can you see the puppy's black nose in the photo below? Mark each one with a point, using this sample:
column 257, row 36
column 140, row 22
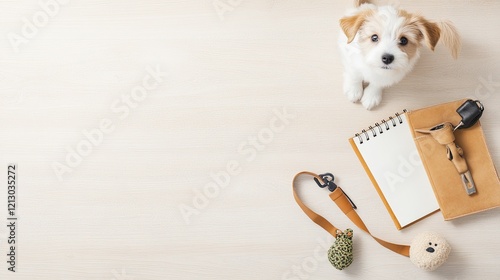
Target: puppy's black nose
column 430, row 250
column 387, row 58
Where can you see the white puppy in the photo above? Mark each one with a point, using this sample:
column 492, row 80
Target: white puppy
column 381, row 44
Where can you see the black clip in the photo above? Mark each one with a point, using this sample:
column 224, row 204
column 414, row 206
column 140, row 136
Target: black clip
column 328, row 178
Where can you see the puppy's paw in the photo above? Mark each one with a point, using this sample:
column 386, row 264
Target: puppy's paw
column 353, row 91
column 371, row 97
column 370, row 102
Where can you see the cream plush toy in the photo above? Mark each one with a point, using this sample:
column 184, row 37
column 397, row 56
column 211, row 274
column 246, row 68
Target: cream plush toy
column 429, row 250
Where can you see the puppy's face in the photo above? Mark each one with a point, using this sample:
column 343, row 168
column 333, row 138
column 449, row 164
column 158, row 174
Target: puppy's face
column 388, row 38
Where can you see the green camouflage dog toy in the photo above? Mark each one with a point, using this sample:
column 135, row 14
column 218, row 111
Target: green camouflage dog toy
column 340, row 254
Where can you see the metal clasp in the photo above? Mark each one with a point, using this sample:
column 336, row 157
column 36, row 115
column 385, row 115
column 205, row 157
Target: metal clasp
column 328, row 179
column 328, row 182
column 468, row 183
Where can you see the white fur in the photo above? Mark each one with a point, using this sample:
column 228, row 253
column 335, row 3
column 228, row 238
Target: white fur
column 368, row 67
column 429, row 250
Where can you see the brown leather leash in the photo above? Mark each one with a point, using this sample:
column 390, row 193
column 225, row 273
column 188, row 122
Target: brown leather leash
column 346, row 205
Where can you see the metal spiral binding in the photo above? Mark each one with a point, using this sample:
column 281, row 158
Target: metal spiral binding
column 380, row 127
column 366, row 134
column 380, row 130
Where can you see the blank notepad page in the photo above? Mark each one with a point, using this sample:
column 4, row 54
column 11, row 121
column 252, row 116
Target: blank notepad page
column 394, row 162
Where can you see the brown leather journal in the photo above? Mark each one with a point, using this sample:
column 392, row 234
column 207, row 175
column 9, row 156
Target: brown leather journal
column 447, row 185
column 412, row 171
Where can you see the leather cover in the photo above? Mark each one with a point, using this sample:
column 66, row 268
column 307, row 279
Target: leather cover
column 446, row 182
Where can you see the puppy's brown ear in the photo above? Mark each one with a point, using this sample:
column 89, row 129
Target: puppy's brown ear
column 430, row 31
column 450, row 37
column 351, row 24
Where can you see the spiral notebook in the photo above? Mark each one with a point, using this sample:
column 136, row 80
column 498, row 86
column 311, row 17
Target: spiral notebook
column 412, row 173
column 390, row 157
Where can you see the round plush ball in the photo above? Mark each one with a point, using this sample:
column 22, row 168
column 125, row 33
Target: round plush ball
column 429, row 250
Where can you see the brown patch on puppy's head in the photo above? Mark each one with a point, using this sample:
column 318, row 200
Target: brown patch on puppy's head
column 421, row 28
column 351, row 24
column 358, row 3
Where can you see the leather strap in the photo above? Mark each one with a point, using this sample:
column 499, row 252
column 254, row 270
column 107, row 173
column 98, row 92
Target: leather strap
column 339, row 197
column 443, row 134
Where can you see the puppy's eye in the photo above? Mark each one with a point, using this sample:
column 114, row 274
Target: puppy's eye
column 430, row 243
column 374, row 38
column 435, row 245
column 403, row 41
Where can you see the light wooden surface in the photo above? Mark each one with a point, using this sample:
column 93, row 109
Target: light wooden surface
column 246, row 97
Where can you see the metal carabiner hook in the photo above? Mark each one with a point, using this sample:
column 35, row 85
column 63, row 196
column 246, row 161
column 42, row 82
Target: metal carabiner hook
column 328, row 181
